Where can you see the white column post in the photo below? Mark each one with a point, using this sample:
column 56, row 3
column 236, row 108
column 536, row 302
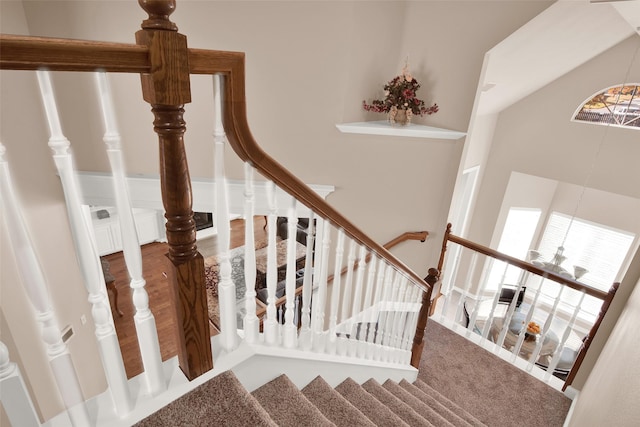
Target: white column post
column 87, row 254
column 144, row 320
column 226, row 287
column 13, row 393
column 251, row 322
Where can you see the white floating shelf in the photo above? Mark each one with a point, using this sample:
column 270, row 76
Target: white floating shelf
column 410, row 130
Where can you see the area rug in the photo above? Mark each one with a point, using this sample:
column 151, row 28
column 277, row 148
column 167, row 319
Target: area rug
column 212, row 278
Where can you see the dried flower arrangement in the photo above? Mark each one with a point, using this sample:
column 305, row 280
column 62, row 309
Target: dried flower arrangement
column 400, row 96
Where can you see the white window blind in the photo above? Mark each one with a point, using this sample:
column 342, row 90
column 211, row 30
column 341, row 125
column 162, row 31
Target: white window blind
column 598, row 248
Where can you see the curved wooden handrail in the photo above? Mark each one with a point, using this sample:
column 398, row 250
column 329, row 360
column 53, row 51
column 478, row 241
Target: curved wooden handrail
column 32, row 53
column 528, row 267
column 241, row 140
column 409, row 235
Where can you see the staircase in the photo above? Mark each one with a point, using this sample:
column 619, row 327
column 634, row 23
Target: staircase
column 224, row 401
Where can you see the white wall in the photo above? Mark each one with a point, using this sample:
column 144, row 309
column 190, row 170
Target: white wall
column 611, row 394
column 536, row 137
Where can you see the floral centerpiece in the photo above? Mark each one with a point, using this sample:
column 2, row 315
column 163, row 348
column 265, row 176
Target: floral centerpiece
column 532, row 332
column 401, row 102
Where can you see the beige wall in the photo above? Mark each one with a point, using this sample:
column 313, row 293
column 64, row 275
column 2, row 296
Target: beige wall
column 536, row 137
column 37, row 186
column 309, row 66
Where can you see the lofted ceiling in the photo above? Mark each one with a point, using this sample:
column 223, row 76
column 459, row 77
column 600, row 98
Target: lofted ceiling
column 561, row 38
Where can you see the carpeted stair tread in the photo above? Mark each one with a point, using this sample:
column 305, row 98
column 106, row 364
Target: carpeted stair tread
column 485, row 385
column 400, row 408
column 433, row 403
column 425, row 411
column 452, row 406
column 220, row 398
column 371, row 407
column 334, row 406
column 287, row 406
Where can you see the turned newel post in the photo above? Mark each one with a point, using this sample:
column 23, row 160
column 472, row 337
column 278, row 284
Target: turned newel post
column 418, row 339
column 167, row 89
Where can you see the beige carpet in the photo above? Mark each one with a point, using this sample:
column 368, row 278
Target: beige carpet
column 459, row 385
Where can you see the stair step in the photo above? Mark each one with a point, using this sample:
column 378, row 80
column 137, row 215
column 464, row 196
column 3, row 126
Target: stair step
column 287, row 406
column 371, row 407
column 448, row 403
column 434, row 404
column 221, row 398
column 425, row 411
column 334, row 406
column 400, row 408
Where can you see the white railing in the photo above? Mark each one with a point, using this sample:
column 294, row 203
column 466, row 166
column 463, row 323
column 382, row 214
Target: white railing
column 530, row 323
column 368, row 308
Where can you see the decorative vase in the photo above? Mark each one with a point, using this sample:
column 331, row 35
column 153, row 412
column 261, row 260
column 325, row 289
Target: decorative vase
column 400, row 117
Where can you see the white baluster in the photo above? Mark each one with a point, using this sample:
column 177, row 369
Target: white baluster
column 448, row 293
column 496, row 298
column 271, row 327
column 307, row 287
column 319, row 308
column 226, row 287
column 251, row 322
column 414, row 297
column 87, row 254
column 356, row 307
column 509, row 316
column 290, row 336
column 348, row 282
column 13, row 393
column 335, row 292
column 144, row 320
column 565, row 336
column 366, row 308
column 401, row 313
column 545, row 330
column 374, row 327
column 516, row 349
column 465, row 291
column 34, row 282
column 382, row 296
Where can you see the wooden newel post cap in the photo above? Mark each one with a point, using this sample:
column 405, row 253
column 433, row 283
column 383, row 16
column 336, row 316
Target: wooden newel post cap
column 159, row 11
column 432, row 276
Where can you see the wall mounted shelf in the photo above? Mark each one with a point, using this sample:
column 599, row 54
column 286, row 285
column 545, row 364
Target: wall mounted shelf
column 410, row 130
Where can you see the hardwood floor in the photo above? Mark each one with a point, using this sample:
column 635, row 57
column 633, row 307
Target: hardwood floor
column 155, row 265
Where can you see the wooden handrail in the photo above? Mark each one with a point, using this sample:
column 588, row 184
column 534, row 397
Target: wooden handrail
column 55, row 54
column 528, row 267
column 607, row 297
column 409, row 235
column 164, row 61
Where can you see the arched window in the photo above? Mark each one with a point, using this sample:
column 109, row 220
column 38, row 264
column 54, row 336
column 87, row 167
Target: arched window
column 617, row 106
